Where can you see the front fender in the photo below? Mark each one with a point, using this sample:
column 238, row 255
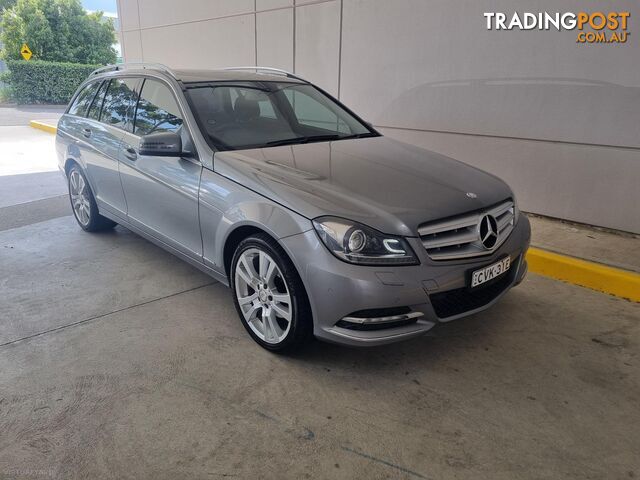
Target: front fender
column 226, row 206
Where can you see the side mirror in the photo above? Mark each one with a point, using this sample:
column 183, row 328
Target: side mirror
column 161, row 144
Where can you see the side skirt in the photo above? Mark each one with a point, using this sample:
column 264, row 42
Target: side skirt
column 199, row 265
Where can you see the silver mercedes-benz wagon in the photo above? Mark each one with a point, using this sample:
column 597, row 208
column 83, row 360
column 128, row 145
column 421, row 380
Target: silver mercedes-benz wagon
column 320, row 225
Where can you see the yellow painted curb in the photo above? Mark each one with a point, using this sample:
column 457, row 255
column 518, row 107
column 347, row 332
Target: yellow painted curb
column 614, row 281
column 43, row 126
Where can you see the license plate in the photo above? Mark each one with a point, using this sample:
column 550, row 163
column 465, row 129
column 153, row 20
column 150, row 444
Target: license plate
column 485, row 274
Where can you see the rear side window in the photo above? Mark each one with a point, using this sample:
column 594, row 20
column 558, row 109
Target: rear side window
column 96, row 105
column 119, row 100
column 157, row 110
column 83, row 100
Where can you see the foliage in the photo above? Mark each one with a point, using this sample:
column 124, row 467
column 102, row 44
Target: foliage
column 57, row 31
column 4, row 4
column 31, row 82
column 5, row 94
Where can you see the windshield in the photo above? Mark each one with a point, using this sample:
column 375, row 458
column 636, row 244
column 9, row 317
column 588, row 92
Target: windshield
column 267, row 114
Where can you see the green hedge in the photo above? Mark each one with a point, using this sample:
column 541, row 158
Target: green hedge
column 45, row 82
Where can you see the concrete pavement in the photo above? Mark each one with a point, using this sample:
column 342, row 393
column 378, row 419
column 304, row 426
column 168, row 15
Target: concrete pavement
column 68, row 262
column 28, row 166
column 119, row 361
column 21, row 115
column 617, row 249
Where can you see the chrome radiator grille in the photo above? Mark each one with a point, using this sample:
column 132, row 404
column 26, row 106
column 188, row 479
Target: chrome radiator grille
column 470, row 235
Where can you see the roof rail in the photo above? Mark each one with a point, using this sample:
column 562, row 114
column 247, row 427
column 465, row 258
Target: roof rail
column 276, row 71
column 128, row 65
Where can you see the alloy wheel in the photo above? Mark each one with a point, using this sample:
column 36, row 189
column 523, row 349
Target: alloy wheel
column 263, row 295
column 80, row 198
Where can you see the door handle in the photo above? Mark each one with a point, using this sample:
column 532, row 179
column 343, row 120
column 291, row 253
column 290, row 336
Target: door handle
column 86, row 132
column 131, row 153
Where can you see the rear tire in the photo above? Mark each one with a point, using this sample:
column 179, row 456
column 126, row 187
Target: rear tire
column 269, row 295
column 83, row 203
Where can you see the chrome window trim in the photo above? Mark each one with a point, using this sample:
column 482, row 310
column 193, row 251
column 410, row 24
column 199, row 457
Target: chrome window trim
column 82, row 86
column 141, row 76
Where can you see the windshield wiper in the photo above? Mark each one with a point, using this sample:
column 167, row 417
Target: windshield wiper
column 316, row 138
column 290, row 141
column 358, row 135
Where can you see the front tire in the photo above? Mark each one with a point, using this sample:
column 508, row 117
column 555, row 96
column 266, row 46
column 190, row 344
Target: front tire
column 269, row 295
column 83, row 203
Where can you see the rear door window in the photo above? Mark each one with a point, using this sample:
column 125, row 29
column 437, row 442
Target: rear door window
column 119, row 101
column 157, row 110
column 96, row 105
column 83, row 100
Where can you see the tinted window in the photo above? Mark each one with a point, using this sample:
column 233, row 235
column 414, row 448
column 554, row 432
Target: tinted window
column 83, row 100
column 236, row 117
column 267, row 114
column 313, row 112
column 157, row 110
column 118, row 103
column 96, row 105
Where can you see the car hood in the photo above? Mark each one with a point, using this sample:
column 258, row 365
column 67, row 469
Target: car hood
column 391, row 186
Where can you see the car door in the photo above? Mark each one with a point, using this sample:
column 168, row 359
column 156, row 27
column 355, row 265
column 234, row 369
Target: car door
column 96, row 146
column 74, row 122
column 109, row 115
column 162, row 192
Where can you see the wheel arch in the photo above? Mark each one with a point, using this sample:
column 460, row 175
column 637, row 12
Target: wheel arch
column 68, row 163
column 239, row 233
column 234, row 238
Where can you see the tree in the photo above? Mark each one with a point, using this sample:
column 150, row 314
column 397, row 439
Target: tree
column 6, row 4
column 57, row 31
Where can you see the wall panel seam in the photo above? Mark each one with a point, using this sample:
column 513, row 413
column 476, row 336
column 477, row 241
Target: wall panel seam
column 340, row 47
column 506, row 137
column 314, row 2
column 120, row 30
column 140, row 32
column 208, row 19
column 255, row 11
column 293, row 63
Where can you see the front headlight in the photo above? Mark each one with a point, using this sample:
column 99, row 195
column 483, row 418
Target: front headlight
column 362, row 245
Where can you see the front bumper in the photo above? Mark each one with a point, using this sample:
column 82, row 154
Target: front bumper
column 337, row 289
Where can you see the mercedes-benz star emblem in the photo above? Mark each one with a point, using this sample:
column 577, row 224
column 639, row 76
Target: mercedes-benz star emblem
column 488, row 228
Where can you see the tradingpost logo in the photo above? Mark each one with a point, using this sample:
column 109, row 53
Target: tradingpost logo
column 594, row 27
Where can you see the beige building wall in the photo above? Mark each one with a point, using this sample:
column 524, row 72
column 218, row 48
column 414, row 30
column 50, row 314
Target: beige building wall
column 558, row 120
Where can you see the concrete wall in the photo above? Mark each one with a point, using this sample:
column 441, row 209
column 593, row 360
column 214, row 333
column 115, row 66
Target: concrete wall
column 558, row 120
